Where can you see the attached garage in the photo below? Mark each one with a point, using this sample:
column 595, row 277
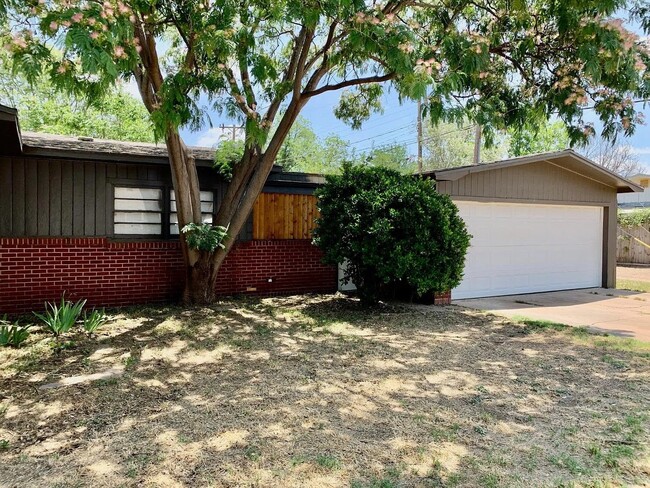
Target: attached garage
column 539, row 223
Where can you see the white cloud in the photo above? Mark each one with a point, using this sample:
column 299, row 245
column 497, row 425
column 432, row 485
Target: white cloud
column 640, row 151
column 213, row 136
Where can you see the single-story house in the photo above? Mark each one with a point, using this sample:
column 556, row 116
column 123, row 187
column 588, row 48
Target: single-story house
column 543, row 222
column 96, row 219
column 633, row 201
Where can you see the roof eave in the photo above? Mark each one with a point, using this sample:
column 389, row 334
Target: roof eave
column 452, row 174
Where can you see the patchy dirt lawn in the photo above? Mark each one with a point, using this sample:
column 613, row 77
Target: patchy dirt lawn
column 315, row 392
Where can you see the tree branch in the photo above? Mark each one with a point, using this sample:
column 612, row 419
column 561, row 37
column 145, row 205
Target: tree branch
column 353, row 82
column 328, row 44
column 301, row 64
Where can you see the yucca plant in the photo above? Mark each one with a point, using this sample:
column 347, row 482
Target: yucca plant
column 12, row 334
column 59, row 319
column 93, row 320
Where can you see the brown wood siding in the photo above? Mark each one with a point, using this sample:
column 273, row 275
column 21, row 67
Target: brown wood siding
column 57, row 197
column 535, row 181
column 284, row 216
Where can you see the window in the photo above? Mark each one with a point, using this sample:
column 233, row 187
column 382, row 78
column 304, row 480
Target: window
column 144, row 212
column 207, row 209
column 137, row 211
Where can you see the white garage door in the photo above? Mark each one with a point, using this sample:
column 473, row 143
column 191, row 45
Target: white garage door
column 522, row 248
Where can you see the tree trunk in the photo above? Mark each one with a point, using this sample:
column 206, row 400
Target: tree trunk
column 249, row 177
column 185, row 181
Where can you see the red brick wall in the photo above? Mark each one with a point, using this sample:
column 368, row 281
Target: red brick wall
column 33, row 270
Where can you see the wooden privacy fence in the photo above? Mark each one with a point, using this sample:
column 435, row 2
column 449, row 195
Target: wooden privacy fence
column 284, row 216
column 628, row 247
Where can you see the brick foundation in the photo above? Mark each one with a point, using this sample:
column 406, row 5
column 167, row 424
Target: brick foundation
column 106, row 273
column 442, row 298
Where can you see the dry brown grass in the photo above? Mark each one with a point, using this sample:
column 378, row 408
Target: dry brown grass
column 313, row 392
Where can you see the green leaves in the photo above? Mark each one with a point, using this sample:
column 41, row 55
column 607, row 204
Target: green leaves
column 394, row 231
column 634, row 218
column 12, row 334
column 496, row 63
column 59, row 319
column 205, row 237
column 356, row 106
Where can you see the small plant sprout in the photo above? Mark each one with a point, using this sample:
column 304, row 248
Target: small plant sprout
column 94, row 320
column 59, row 319
column 12, row 334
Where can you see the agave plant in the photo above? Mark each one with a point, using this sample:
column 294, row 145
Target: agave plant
column 59, row 319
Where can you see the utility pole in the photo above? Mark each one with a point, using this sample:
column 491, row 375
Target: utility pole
column 233, row 128
column 420, row 135
column 477, row 144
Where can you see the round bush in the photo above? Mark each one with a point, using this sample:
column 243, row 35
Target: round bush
column 394, row 231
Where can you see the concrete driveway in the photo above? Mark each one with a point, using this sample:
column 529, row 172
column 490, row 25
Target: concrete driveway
column 619, row 312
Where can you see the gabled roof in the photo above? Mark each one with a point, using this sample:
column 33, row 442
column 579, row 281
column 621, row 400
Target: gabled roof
column 567, row 159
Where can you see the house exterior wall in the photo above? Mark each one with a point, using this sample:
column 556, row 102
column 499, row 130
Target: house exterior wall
column 43, row 197
column 56, row 235
column 635, row 200
column 106, row 273
column 543, row 183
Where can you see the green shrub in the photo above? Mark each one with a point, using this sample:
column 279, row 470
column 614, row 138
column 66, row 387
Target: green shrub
column 12, row 334
column 93, row 320
column 60, row 319
column 634, row 218
column 394, row 231
column 205, row 237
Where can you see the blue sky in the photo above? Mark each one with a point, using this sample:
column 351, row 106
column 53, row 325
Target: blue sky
column 397, row 124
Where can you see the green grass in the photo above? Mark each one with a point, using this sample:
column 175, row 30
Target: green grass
column 534, row 325
column 633, row 285
column 327, row 461
column 568, row 462
column 583, row 336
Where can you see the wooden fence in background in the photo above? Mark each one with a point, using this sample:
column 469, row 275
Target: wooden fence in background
column 284, row 216
column 629, row 250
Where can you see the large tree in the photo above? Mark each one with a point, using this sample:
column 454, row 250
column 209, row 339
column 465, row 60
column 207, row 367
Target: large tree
column 492, row 62
column 43, row 108
column 613, row 155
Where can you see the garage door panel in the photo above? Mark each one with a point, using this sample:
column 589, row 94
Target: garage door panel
column 524, row 248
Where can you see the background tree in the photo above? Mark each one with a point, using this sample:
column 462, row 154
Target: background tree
column 43, row 108
column 392, row 156
column 393, row 230
column 303, row 150
column 551, row 136
column 613, row 155
column 449, row 145
column 494, row 63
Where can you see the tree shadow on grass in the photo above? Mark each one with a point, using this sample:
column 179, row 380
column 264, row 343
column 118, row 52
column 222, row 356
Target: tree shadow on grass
column 317, row 391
